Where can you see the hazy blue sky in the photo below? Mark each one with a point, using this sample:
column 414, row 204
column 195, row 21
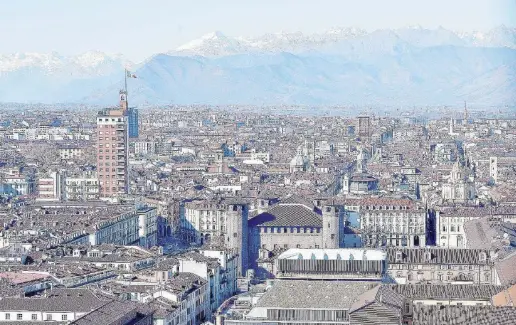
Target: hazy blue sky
column 138, row 28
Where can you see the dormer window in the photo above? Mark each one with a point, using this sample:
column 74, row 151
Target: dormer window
column 482, row 257
column 428, row 256
column 398, row 256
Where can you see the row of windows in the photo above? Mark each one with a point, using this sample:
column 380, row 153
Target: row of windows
column 108, row 138
column 114, row 182
column 33, row 317
column 277, row 246
column 114, row 189
column 452, row 228
column 107, row 158
column 433, row 267
column 386, row 207
column 440, row 276
column 398, row 220
column 109, row 119
column 292, row 230
column 107, row 170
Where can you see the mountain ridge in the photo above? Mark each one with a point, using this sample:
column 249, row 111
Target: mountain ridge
column 343, row 66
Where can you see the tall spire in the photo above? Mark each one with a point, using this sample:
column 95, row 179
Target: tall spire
column 465, row 112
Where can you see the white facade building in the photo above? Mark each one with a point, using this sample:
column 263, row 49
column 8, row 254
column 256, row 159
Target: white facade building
column 81, row 188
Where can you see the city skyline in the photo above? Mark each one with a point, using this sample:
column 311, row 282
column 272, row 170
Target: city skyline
column 258, row 162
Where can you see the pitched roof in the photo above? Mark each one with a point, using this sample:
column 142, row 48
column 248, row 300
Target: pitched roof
column 115, row 312
column 506, row 297
column 437, row 255
column 59, row 300
column 379, row 294
column 463, row 315
column 506, row 270
column 313, row 294
column 447, row 291
column 287, row 215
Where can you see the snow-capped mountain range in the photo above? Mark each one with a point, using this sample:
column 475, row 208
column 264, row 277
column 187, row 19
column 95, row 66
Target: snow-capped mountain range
column 218, row 44
column 411, row 65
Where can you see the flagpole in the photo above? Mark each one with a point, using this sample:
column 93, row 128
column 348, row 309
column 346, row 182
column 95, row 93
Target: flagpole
column 126, row 101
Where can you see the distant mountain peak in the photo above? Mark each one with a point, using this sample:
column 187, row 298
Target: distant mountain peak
column 214, row 35
column 211, row 44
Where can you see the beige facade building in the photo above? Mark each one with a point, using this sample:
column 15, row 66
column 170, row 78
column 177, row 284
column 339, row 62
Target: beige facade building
column 390, row 222
column 441, row 266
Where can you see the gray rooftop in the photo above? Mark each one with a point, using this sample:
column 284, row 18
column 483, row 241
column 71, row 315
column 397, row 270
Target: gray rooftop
column 314, row 294
column 57, row 300
column 287, row 215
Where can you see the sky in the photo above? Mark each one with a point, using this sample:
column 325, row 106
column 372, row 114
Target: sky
column 140, row 28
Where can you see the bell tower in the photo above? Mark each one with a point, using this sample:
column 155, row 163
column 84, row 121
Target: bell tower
column 331, row 227
column 123, row 99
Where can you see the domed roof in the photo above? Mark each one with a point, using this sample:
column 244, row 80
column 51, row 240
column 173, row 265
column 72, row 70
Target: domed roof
column 297, row 161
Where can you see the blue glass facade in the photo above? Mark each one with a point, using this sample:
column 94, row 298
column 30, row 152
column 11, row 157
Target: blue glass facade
column 132, row 114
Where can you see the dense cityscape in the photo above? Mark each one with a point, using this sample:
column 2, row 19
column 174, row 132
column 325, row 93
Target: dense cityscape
column 184, row 215
column 292, row 162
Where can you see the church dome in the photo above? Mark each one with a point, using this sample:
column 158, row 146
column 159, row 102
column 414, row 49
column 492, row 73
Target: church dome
column 297, row 161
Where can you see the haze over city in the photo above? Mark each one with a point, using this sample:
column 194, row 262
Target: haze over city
column 257, row 162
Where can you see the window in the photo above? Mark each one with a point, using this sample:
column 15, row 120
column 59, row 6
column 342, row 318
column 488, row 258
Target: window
column 64, row 317
column 407, row 307
column 49, row 316
column 19, row 316
column 7, row 316
column 34, row 316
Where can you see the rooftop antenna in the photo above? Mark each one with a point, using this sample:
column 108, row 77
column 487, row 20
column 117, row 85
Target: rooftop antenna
column 124, row 104
column 125, row 85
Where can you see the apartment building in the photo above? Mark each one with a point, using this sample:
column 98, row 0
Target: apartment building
column 112, row 152
column 81, row 188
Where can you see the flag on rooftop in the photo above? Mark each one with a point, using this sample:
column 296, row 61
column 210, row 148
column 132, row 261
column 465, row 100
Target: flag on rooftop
column 130, row 74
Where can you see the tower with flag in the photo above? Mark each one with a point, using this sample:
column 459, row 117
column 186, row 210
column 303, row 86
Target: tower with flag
column 132, row 113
